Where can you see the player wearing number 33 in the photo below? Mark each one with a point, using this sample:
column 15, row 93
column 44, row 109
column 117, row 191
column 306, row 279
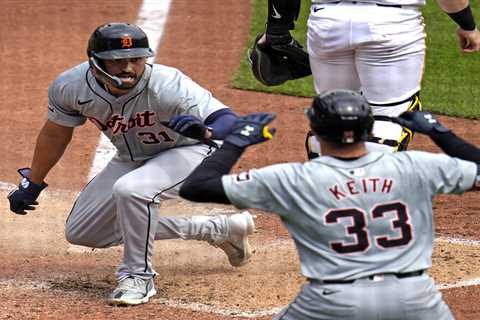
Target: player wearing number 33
column 362, row 221
column 163, row 125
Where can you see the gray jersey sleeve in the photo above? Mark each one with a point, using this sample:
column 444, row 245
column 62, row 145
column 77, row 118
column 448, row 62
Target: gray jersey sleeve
column 182, row 95
column 61, row 100
column 267, row 189
column 440, row 173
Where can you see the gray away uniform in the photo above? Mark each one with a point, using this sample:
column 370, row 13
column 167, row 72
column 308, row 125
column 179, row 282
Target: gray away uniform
column 361, row 220
column 120, row 205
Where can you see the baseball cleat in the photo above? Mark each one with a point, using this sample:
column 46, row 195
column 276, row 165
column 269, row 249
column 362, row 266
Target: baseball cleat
column 132, row 291
column 236, row 246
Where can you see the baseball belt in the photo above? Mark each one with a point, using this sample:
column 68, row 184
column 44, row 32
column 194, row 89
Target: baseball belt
column 371, row 277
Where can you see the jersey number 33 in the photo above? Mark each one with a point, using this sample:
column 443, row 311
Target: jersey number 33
column 395, row 212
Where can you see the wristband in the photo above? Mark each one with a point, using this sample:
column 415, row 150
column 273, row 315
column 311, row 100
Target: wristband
column 27, row 185
column 464, row 18
column 278, row 28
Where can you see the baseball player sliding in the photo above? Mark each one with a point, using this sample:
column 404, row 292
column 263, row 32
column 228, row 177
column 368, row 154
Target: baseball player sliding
column 162, row 124
column 376, row 47
column 362, row 221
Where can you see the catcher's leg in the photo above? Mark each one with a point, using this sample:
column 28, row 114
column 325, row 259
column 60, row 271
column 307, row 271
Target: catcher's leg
column 390, row 69
column 332, row 63
column 389, row 136
column 330, row 70
column 312, row 146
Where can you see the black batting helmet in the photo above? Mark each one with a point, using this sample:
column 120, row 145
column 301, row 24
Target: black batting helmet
column 341, row 116
column 118, row 40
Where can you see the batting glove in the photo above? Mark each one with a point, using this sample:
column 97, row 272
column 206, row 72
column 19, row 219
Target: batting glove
column 251, row 129
column 188, row 126
column 421, row 122
column 25, row 196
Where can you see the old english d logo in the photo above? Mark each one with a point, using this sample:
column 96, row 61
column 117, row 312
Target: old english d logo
column 127, row 42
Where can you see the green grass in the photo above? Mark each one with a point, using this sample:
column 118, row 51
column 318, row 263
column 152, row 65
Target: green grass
column 451, row 83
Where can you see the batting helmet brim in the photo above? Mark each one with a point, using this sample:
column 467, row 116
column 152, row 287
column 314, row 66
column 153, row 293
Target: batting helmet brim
column 124, row 54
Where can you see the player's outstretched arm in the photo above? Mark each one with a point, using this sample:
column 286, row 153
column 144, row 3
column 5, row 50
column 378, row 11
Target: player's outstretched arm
column 51, row 144
column 444, row 138
column 216, row 126
column 467, row 33
column 204, row 184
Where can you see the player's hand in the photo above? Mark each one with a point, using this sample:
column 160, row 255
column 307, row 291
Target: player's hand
column 469, row 41
column 188, row 126
column 25, row 196
column 421, row 122
column 251, row 129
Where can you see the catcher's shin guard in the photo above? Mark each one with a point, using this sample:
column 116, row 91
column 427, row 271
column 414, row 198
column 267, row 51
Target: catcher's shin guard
column 312, row 146
column 406, row 135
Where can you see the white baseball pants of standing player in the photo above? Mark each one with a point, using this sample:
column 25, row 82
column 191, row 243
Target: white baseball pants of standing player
column 376, row 50
column 120, row 205
column 383, row 297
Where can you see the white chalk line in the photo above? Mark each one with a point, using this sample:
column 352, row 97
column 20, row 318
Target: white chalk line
column 151, row 18
column 12, row 284
column 464, row 242
column 201, row 307
column 5, row 186
column 235, row 312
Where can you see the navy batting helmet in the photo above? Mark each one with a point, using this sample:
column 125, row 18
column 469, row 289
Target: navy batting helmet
column 118, row 41
column 341, row 116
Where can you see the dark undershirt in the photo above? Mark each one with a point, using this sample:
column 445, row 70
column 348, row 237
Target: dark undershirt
column 455, row 146
column 205, row 182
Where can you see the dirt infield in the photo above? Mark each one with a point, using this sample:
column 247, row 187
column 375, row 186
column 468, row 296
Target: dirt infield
column 43, row 277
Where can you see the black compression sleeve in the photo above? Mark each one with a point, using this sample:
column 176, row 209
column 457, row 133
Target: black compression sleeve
column 205, row 182
column 455, row 146
column 464, row 18
column 281, row 15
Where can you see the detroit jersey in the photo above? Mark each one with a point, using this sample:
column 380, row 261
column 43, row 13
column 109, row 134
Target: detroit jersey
column 132, row 121
column 351, row 219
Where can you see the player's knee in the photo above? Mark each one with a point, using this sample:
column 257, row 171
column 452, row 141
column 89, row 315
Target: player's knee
column 77, row 234
column 84, row 238
column 73, row 237
column 124, row 188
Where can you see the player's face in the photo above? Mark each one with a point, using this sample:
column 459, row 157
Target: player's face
column 128, row 70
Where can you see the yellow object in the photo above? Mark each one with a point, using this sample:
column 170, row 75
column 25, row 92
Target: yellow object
column 266, row 133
